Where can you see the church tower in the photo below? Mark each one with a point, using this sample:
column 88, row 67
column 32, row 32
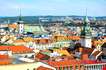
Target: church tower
column 86, row 36
column 20, row 24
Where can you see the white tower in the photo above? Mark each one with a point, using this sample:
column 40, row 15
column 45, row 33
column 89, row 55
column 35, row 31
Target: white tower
column 86, row 38
column 21, row 28
column 20, row 24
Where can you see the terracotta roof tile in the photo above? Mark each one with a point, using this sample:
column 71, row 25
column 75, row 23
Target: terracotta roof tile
column 28, row 39
column 4, row 59
column 4, row 56
column 70, row 62
column 62, row 52
column 63, row 63
column 13, row 26
column 18, row 41
column 16, row 49
column 41, row 56
column 43, row 68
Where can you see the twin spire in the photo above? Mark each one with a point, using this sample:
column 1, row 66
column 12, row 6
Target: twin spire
column 20, row 16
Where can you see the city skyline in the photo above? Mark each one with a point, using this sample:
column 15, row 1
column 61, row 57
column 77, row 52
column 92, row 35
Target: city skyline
column 52, row 7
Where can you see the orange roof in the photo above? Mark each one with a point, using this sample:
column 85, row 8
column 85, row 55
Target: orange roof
column 4, row 56
column 96, row 42
column 18, row 41
column 42, row 40
column 43, row 68
column 28, row 39
column 63, row 63
column 66, row 63
column 5, row 61
column 13, row 26
column 62, row 52
column 67, row 37
column 74, row 37
column 16, row 49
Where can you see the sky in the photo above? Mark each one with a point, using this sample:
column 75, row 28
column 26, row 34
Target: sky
column 53, row 7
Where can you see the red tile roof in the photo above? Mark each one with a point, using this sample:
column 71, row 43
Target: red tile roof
column 16, row 49
column 4, row 59
column 41, row 56
column 70, row 62
column 43, row 68
column 63, row 63
column 4, row 56
column 13, row 26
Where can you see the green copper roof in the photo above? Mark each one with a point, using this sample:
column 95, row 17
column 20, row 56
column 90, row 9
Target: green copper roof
column 86, row 27
column 33, row 28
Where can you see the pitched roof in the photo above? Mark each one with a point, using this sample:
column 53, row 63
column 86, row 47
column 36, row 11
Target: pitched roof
column 19, row 41
column 43, row 68
column 42, row 56
column 62, row 52
column 16, row 49
column 70, row 62
column 13, row 26
column 96, row 42
column 4, row 59
column 63, row 63
column 28, row 39
column 4, row 56
column 67, row 37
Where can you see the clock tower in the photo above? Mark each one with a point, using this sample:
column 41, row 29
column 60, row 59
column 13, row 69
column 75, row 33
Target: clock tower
column 86, row 36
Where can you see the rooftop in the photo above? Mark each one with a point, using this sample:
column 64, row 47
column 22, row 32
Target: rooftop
column 16, row 49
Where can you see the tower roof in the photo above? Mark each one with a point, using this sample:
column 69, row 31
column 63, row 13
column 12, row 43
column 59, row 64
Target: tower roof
column 86, row 27
column 86, row 19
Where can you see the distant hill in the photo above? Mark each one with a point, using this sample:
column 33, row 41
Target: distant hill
column 35, row 19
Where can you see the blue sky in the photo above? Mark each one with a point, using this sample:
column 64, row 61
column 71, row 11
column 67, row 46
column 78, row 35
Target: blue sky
column 52, row 7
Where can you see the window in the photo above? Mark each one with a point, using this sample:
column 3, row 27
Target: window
column 26, row 56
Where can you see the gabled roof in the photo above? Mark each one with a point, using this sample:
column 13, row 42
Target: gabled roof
column 62, row 52
column 16, row 49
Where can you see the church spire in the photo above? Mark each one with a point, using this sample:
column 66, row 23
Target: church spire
column 86, row 26
column 86, row 20
column 20, row 16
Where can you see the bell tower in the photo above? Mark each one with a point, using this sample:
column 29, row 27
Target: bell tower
column 20, row 23
column 86, row 36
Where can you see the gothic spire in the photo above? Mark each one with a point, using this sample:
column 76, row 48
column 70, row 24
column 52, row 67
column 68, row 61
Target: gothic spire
column 20, row 16
column 86, row 27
